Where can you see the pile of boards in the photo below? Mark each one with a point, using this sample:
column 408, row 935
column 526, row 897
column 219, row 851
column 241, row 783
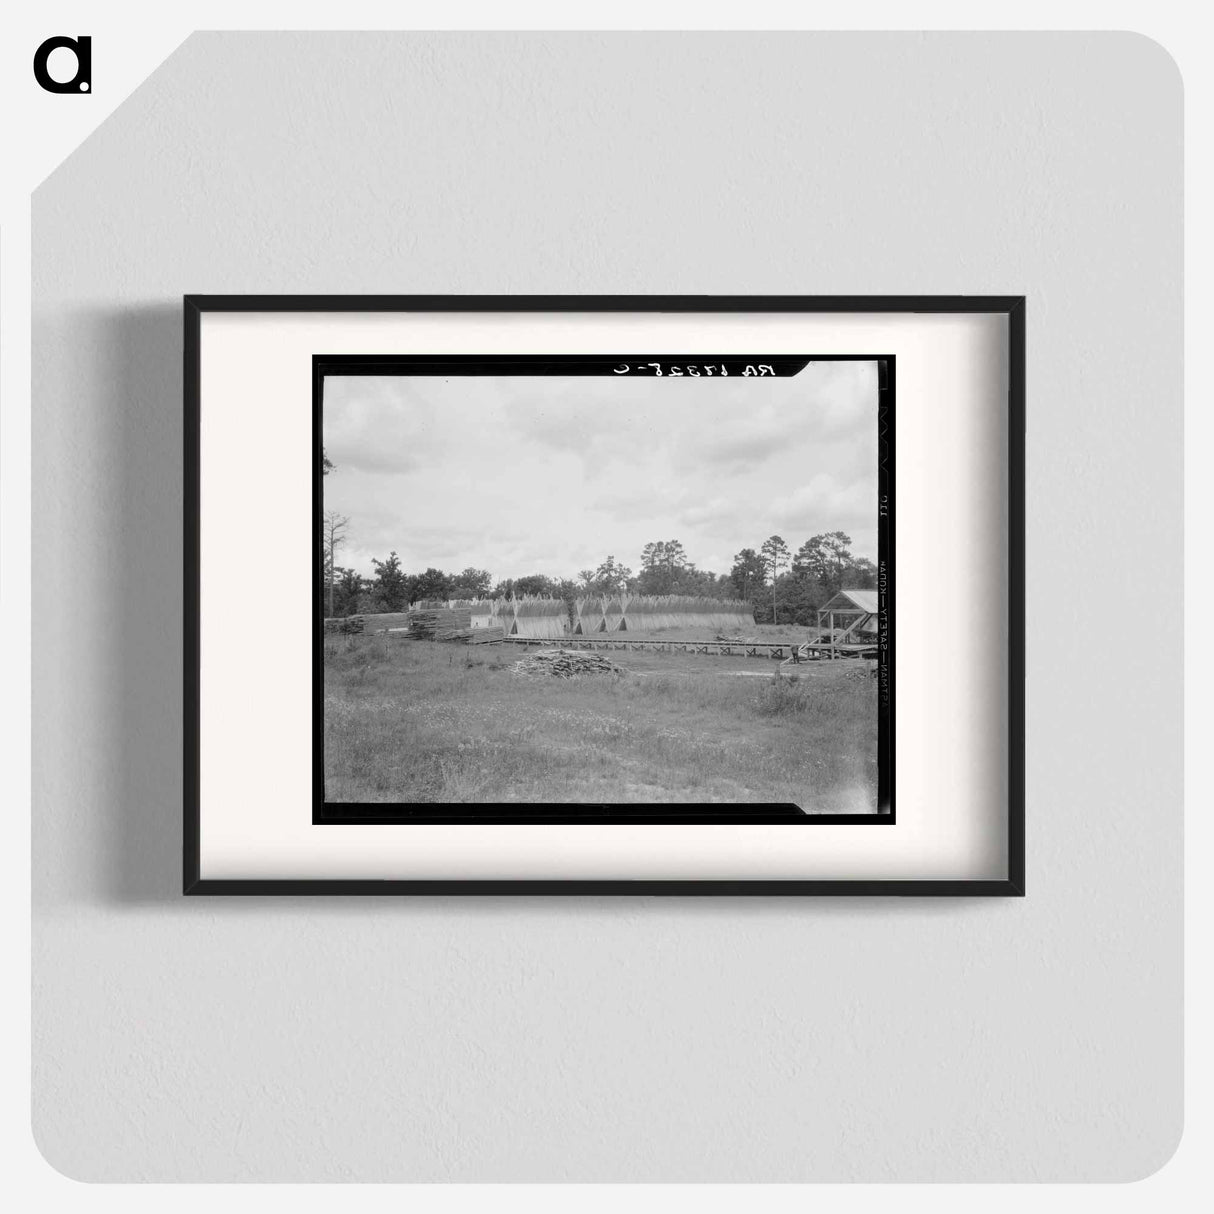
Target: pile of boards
column 440, row 623
column 385, row 621
column 563, row 664
column 485, row 636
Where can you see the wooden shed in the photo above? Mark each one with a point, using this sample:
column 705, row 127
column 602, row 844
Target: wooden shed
column 848, row 619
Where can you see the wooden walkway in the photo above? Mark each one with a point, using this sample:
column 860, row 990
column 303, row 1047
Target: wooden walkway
column 774, row 650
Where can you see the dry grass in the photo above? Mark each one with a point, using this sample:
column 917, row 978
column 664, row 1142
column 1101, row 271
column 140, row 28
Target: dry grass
column 411, row 721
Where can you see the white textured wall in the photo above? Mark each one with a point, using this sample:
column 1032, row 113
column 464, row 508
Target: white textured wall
column 626, row 1039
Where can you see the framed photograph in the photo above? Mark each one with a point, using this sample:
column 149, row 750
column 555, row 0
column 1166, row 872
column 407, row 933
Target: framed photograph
column 604, row 594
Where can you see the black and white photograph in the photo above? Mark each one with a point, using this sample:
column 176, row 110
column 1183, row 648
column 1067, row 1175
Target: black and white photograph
column 650, row 588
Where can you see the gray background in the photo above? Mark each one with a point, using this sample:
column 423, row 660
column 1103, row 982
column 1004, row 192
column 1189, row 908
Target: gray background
column 630, row 1039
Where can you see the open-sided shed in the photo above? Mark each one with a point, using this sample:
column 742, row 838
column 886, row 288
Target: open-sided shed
column 848, row 618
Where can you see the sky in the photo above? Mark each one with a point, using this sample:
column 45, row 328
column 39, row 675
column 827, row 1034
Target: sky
column 550, row 475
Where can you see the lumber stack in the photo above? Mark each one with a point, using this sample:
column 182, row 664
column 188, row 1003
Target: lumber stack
column 383, row 621
column 440, row 623
column 563, row 664
column 486, row 636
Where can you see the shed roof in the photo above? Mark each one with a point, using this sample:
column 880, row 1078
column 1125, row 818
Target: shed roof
column 861, row 600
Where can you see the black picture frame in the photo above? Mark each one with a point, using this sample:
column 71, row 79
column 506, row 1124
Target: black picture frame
column 1011, row 307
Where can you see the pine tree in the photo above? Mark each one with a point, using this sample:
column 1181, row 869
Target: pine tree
column 775, row 558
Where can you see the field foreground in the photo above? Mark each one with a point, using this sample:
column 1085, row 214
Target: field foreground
column 418, row 721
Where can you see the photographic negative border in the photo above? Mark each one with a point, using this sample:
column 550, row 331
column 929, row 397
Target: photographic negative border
column 1011, row 307
column 739, row 366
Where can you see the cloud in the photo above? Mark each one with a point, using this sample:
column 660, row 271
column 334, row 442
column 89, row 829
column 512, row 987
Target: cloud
column 826, row 505
column 391, row 460
column 519, row 474
column 574, row 416
column 748, row 448
column 715, row 510
column 655, row 500
column 844, row 399
column 375, row 427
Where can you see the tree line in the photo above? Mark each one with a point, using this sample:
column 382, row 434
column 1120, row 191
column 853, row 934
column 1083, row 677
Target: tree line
column 784, row 587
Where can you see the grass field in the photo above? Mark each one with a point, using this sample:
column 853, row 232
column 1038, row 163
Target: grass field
column 416, row 721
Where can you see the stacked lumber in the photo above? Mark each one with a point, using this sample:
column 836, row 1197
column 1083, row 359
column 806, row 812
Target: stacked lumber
column 344, row 624
column 486, row 636
column 383, row 621
column 563, row 664
column 440, row 623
